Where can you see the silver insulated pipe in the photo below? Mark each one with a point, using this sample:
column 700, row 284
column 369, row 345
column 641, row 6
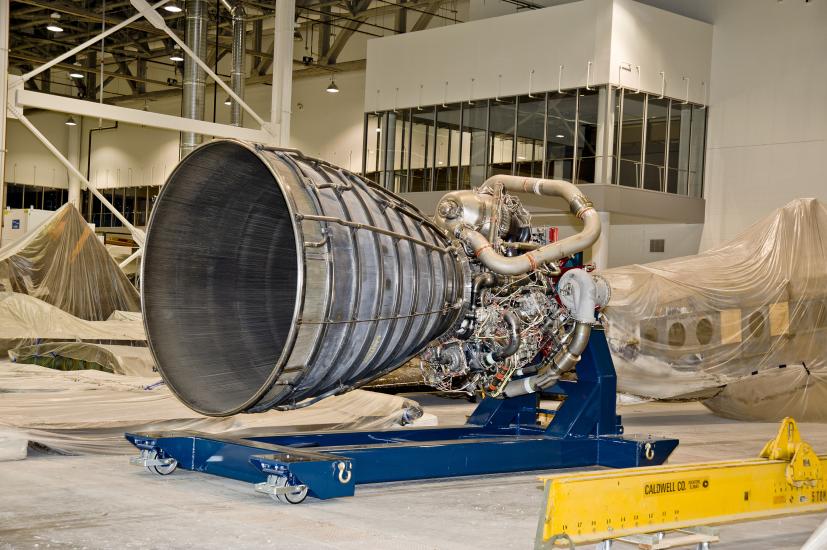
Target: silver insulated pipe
column 237, row 72
column 270, row 279
column 194, row 76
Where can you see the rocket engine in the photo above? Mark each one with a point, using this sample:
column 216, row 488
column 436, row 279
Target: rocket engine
column 271, row 280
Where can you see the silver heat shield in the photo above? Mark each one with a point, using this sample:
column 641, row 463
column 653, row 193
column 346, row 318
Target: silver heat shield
column 270, row 278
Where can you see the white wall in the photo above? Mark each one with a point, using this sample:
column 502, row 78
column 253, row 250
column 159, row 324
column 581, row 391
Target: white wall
column 329, row 126
column 28, row 161
column 499, row 53
column 657, row 40
column 629, row 244
column 570, row 34
column 767, row 137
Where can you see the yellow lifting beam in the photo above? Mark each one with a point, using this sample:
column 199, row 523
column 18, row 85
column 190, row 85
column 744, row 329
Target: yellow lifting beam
column 788, row 478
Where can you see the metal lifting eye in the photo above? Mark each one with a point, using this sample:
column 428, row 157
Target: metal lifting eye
column 344, row 475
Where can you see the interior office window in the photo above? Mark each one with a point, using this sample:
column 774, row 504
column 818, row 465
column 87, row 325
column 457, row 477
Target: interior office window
column 371, row 149
column 654, row 167
column 561, row 127
column 422, row 129
column 390, row 125
column 588, row 104
column 446, row 147
column 501, row 126
column 629, row 137
column 14, row 195
column 400, row 153
column 475, row 135
column 52, row 198
column 697, row 144
column 531, row 115
column 680, row 116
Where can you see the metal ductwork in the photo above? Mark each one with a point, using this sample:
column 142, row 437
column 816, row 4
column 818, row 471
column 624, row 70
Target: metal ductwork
column 238, row 73
column 269, row 278
column 194, row 76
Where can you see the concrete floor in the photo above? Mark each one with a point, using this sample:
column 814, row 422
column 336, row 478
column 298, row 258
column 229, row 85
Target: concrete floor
column 50, row 501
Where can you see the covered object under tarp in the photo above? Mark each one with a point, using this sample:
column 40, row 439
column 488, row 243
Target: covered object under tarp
column 88, row 411
column 63, row 263
column 26, row 321
column 743, row 326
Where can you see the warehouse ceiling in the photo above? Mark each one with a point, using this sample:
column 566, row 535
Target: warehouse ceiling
column 135, row 64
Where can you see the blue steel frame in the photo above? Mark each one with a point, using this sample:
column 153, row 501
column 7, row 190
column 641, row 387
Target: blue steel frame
column 501, row 435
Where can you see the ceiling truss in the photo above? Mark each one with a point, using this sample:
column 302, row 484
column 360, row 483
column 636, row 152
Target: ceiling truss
column 324, row 26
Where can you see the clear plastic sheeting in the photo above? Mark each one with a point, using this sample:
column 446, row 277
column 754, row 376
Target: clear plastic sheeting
column 25, row 320
column 744, row 324
column 64, row 264
column 772, row 394
column 88, row 411
column 66, row 356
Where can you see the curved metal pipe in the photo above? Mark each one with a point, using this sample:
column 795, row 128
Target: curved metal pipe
column 483, row 280
column 513, row 343
column 565, row 360
column 579, row 205
column 236, row 9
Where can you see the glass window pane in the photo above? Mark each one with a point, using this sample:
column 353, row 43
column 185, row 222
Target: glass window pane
column 561, row 123
column 421, row 148
column 447, row 145
column 531, row 113
column 655, row 163
column 679, row 126
column 400, row 152
column 697, row 144
column 501, row 128
column 372, row 148
column 390, row 143
column 629, row 137
column 587, row 118
column 474, row 143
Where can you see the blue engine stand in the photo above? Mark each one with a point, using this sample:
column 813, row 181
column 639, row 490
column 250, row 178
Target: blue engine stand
column 502, row 435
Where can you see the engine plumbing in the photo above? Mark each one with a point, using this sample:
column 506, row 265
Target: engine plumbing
column 527, row 320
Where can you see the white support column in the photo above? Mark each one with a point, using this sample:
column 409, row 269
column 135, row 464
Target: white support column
column 282, row 72
column 74, row 157
column 4, row 88
column 600, row 249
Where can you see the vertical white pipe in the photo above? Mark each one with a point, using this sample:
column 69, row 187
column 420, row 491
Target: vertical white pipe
column 282, row 72
column 4, row 87
column 73, row 154
column 600, row 249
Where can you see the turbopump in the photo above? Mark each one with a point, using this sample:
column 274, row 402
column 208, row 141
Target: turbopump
column 271, row 280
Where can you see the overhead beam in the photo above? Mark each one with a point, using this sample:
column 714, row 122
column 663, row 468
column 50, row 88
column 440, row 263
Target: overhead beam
column 347, row 32
column 51, row 102
column 425, row 18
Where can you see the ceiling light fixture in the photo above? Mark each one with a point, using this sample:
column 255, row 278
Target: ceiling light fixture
column 75, row 73
column 71, row 122
column 228, row 101
column 173, row 8
column 332, row 88
column 378, row 130
column 53, row 26
column 559, row 136
column 176, row 55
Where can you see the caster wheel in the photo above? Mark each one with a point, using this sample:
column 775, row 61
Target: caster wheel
column 159, row 470
column 295, row 497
